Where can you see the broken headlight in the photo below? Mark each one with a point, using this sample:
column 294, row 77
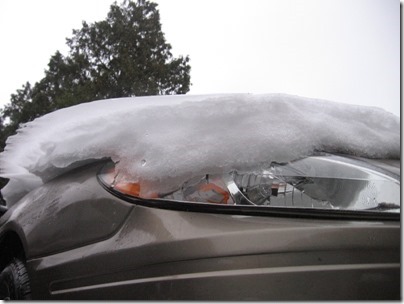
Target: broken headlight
column 320, row 182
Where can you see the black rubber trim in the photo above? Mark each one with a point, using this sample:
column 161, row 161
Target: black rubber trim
column 3, row 209
column 255, row 210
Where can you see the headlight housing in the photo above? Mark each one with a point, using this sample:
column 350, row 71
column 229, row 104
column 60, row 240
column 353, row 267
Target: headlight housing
column 323, row 182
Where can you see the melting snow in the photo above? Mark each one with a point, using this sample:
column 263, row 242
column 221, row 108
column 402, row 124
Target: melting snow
column 168, row 139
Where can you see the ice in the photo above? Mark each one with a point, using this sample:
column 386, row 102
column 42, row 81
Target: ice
column 170, row 139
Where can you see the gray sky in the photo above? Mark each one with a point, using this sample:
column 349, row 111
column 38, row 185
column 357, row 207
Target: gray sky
column 340, row 50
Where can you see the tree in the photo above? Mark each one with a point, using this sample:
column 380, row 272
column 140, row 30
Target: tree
column 127, row 54
column 17, row 109
column 16, row 112
column 124, row 55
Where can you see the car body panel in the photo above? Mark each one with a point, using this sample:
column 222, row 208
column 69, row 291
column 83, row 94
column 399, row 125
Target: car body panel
column 65, row 213
column 162, row 248
column 152, row 253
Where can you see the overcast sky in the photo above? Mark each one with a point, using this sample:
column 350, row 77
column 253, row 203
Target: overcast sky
column 340, row 50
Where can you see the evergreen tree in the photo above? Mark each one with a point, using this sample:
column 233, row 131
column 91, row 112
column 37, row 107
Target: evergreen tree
column 124, row 55
column 127, row 54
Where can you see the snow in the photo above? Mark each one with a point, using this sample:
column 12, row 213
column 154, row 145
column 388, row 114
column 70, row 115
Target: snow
column 169, row 139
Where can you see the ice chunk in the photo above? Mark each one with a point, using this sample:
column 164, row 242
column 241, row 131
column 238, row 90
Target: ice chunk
column 169, row 139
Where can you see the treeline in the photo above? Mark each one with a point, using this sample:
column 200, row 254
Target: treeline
column 124, row 55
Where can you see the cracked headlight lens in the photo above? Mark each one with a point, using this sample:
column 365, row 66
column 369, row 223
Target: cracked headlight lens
column 321, row 182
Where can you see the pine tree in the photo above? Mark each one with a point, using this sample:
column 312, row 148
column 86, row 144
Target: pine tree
column 124, row 55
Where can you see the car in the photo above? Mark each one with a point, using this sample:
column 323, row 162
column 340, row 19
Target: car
column 85, row 221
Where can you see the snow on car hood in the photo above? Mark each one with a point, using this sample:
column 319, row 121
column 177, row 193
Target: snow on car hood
column 169, row 139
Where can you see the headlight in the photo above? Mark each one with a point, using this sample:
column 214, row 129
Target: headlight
column 316, row 182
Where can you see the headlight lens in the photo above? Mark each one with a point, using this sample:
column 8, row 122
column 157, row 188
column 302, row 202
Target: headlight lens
column 319, row 182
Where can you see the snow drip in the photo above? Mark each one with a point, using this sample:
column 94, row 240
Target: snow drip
column 169, row 139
